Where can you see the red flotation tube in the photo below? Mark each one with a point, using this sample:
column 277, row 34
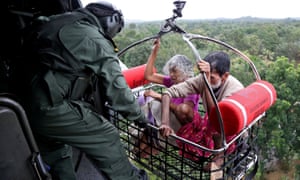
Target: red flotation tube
column 135, row 76
column 240, row 109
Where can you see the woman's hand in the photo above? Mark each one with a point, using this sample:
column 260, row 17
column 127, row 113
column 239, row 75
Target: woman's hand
column 165, row 130
column 156, row 44
column 153, row 94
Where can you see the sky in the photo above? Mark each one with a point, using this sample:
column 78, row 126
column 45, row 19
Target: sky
column 149, row 10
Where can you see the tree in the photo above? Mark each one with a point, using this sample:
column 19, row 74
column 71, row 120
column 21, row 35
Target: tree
column 281, row 130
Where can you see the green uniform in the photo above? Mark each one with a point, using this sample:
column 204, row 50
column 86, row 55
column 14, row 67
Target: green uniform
column 60, row 121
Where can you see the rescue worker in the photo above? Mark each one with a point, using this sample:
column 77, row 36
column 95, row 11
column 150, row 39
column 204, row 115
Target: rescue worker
column 79, row 73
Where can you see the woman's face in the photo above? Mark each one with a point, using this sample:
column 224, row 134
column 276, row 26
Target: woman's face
column 177, row 75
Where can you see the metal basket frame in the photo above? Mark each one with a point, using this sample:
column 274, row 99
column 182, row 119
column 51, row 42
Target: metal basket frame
column 170, row 164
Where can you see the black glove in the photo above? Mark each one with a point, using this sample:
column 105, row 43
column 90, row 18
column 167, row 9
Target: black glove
column 141, row 122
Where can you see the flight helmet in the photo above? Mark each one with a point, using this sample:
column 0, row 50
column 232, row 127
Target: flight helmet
column 111, row 18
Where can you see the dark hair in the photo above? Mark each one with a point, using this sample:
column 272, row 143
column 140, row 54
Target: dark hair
column 219, row 61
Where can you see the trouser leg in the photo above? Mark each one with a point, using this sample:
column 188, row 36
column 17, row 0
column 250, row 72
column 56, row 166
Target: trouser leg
column 105, row 149
column 59, row 159
column 95, row 136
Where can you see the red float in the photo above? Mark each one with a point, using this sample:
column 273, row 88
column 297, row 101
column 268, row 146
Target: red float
column 240, row 109
column 135, row 76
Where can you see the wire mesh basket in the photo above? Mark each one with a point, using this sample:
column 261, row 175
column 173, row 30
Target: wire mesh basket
column 167, row 160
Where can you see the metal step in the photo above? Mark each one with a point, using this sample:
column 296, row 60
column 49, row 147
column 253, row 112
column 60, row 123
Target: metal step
column 242, row 168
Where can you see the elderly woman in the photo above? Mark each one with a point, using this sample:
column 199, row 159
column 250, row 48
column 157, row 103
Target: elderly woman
column 177, row 69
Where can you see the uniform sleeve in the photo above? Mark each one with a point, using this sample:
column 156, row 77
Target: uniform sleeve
column 119, row 95
column 97, row 53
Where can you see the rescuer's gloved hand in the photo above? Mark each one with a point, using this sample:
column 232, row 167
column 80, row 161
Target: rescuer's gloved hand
column 141, row 122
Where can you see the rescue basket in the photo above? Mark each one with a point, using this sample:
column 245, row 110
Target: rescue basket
column 172, row 162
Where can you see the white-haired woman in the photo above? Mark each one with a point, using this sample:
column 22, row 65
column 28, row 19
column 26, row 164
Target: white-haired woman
column 177, row 69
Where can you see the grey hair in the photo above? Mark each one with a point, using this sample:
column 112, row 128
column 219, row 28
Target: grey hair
column 180, row 62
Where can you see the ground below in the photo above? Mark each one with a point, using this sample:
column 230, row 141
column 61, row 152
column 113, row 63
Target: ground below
column 279, row 174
